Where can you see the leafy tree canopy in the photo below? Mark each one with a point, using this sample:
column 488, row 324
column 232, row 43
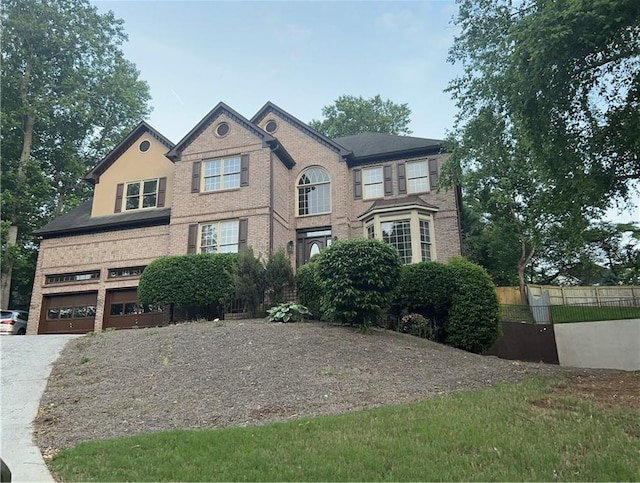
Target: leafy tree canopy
column 546, row 134
column 68, row 95
column 350, row 115
column 567, row 73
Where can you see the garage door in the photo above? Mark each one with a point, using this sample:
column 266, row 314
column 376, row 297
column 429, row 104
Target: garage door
column 68, row 314
column 122, row 311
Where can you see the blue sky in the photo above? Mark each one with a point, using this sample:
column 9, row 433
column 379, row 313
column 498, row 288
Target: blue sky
column 301, row 55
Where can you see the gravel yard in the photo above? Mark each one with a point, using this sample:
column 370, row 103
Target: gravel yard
column 217, row 374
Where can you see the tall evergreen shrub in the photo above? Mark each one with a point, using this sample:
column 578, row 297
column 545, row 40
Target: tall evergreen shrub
column 357, row 277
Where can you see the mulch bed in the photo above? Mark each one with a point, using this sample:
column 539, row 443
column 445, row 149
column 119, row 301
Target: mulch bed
column 218, row 374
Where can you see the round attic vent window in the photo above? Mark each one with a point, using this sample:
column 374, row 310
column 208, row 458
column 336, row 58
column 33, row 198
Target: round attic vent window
column 222, row 129
column 271, row 126
column 144, row 146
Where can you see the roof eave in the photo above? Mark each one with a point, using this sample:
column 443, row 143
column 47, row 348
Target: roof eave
column 394, row 209
column 405, row 153
column 163, row 219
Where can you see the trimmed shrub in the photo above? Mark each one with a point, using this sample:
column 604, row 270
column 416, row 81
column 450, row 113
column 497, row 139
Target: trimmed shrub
column 357, row 277
column 310, row 287
column 279, row 276
column 203, row 279
column 425, row 288
column 249, row 280
column 472, row 323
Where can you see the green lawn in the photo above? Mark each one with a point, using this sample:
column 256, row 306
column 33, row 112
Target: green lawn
column 583, row 313
column 509, row 432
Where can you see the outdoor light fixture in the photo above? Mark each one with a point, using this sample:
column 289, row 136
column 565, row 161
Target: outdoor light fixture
column 290, row 247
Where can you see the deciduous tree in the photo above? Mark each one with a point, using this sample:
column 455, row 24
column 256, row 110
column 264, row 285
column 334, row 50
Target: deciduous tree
column 68, row 95
column 350, row 115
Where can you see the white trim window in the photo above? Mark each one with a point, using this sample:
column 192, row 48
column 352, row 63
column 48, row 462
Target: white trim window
column 410, row 231
column 221, row 174
column 141, row 194
column 219, row 237
column 398, row 234
column 417, row 176
column 372, row 183
column 314, row 192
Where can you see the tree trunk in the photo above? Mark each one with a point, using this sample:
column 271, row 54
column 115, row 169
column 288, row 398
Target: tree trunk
column 21, row 179
column 7, row 268
column 525, row 258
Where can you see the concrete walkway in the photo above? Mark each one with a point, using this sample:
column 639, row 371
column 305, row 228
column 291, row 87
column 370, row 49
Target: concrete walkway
column 25, row 365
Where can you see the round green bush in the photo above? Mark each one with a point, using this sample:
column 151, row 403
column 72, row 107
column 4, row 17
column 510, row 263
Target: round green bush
column 357, row 277
column 425, row 288
column 472, row 323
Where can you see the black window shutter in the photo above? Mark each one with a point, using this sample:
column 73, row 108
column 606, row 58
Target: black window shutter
column 162, row 191
column 192, row 243
column 402, row 179
column 357, row 184
column 388, row 182
column 433, row 173
column 119, row 194
column 242, row 233
column 195, row 177
column 244, row 170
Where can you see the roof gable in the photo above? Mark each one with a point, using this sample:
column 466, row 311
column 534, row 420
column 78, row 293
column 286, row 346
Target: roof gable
column 221, row 108
column 270, row 107
column 93, row 176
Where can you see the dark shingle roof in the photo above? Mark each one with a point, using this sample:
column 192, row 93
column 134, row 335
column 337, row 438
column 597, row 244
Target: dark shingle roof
column 79, row 220
column 368, row 146
column 411, row 200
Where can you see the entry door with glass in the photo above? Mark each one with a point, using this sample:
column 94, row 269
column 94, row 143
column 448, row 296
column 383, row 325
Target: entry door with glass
column 311, row 242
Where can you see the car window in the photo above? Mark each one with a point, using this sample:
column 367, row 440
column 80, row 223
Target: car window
column 5, row 314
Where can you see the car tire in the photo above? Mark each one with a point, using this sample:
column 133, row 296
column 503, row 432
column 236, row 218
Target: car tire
column 21, row 332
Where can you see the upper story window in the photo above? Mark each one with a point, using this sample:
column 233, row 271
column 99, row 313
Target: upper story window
column 373, row 183
column 141, row 194
column 137, row 195
column 314, row 192
column 221, row 174
column 219, row 237
column 417, row 176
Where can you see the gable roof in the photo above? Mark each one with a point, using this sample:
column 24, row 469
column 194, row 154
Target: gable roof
column 373, row 145
column 321, row 138
column 93, row 176
column 79, row 220
column 222, row 108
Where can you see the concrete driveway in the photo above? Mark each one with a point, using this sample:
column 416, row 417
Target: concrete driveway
column 25, row 365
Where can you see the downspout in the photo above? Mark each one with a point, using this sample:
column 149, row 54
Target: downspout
column 271, row 198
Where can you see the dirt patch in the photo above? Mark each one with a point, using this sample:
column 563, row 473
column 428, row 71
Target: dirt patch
column 610, row 388
column 211, row 375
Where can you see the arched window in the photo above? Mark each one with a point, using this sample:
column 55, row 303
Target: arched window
column 314, row 192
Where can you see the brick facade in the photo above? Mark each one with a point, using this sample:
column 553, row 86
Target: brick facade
column 267, row 200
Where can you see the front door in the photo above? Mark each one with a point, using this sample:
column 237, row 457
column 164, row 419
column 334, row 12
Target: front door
column 310, row 243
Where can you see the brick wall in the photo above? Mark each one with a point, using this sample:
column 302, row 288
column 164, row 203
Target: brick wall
column 96, row 251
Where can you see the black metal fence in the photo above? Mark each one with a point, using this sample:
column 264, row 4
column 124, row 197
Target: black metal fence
column 558, row 314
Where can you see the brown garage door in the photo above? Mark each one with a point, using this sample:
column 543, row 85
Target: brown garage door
column 122, row 311
column 68, row 314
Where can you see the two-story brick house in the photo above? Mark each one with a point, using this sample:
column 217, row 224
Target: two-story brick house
column 269, row 182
